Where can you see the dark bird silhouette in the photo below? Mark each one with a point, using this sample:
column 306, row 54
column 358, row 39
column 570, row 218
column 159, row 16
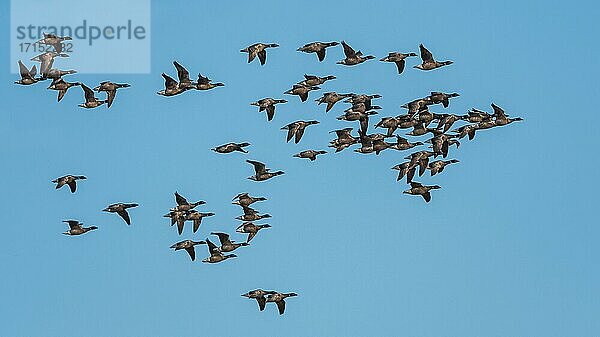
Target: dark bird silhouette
column 184, row 205
column 296, row 129
column 68, row 180
column 90, row 99
column 259, row 296
column 261, row 172
column 250, row 229
column 205, row 83
column 312, row 80
column 419, row 189
column 76, row 228
column 121, row 210
column 27, row 75
column 309, row 154
column 268, row 105
column 215, row 255
column 279, row 299
column 111, row 90
column 318, row 48
column 188, row 245
column 438, row 166
column 258, row 49
column 428, row 62
column 244, row 199
column 353, row 57
column 331, row 98
column 62, row 86
column 226, row 244
column 231, row 147
column 251, row 214
column 301, row 91
column 398, row 59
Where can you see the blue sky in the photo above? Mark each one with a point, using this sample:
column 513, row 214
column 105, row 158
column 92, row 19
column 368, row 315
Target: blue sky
column 507, row 247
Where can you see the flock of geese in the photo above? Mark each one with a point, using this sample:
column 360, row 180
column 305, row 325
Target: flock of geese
column 418, row 118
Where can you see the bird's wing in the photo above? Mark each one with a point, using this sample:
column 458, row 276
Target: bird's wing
column 72, row 186
column 197, row 223
column 427, row 196
column 203, row 79
column 182, row 73
column 111, row 96
column 281, row 306
column 23, row 70
column 180, row 224
column 180, row 200
column 249, row 210
column 262, row 56
column 425, row 54
column 498, row 111
column 303, row 96
column 89, row 94
column 223, row 237
column 192, row 252
column 61, row 94
column 270, row 112
column 73, row 224
column 262, row 301
column 400, row 65
column 170, row 83
column 348, row 51
column 123, row 214
column 321, row 54
column 212, row 248
column 258, row 166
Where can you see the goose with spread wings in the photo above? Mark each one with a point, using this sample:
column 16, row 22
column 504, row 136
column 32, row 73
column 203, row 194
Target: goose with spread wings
column 261, row 172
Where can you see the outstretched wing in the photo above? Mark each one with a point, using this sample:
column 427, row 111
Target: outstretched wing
column 192, row 252
column 321, row 54
column 262, row 56
column 89, row 94
column 400, row 65
column 299, row 133
column 223, row 237
column 170, row 83
column 348, row 51
column 182, row 73
column 203, row 79
column 262, row 301
column 281, row 306
column 72, row 185
column 270, row 112
column 23, row 70
column 498, row 112
column 180, row 200
column 123, row 214
column 425, row 54
column 258, row 166
column 111, row 96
